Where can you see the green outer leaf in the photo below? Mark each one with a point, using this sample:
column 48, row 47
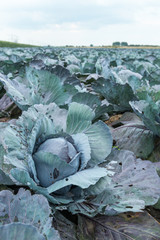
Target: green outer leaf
column 118, row 201
column 39, row 86
column 57, row 115
column 79, row 118
column 100, row 141
column 23, row 178
column 149, row 113
column 25, row 208
column 83, row 207
column 115, row 93
column 92, row 101
column 16, row 91
column 82, row 145
column 87, row 98
column 83, row 179
column 50, row 90
column 46, row 163
column 135, row 138
column 20, row 231
column 101, row 112
column 134, row 185
column 5, row 179
column 42, row 128
column 15, row 205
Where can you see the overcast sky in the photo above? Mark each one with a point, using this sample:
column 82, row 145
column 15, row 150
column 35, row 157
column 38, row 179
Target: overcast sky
column 80, row 22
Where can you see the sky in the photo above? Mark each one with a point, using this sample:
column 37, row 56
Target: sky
column 80, row 22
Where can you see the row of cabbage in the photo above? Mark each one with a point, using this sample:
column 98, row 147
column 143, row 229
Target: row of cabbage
column 56, row 143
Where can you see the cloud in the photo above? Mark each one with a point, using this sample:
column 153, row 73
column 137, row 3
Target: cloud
column 80, row 22
column 91, row 15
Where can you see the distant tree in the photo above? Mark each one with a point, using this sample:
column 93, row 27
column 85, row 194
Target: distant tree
column 134, row 45
column 91, row 45
column 116, row 44
column 124, row 44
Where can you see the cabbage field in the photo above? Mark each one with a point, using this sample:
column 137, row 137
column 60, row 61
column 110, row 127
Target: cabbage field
column 79, row 144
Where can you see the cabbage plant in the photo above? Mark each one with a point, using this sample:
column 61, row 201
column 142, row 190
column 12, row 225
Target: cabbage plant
column 56, row 152
column 25, row 216
column 61, row 154
column 40, row 86
column 116, row 93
